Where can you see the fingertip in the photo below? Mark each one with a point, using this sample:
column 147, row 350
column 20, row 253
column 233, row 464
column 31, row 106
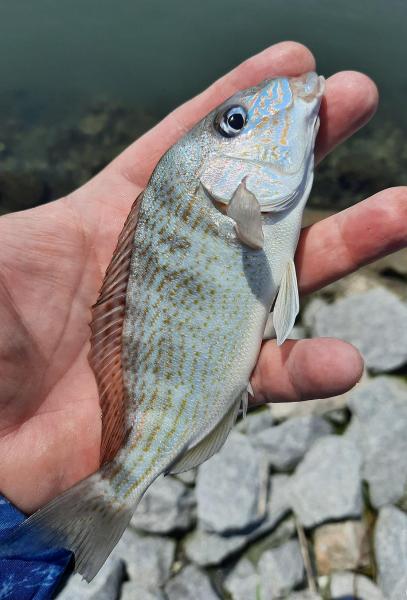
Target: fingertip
column 359, row 88
column 398, row 195
column 290, row 58
column 284, row 58
column 329, row 367
column 350, row 100
column 305, row 370
column 348, row 365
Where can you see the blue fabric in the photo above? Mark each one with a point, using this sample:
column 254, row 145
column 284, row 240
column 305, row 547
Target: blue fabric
column 33, row 575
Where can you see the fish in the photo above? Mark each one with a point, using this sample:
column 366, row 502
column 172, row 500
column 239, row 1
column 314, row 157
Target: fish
column 203, row 271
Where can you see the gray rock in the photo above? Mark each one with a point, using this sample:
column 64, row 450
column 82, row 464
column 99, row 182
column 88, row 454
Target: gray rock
column 255, row 421
column 105, row 586
column 167, row 506
column 187, row 477
column 378, row 428
column 285, row 445
column 148, row 558
column 353, row 433
column 243, row 583
column 298, row 333
column 399, row 592
column 312, row 312
column 372, row 321
column 367, row 398
column 190, row 584
column 281, row 569
column 132, row 590
column 327, row 483
column 323, row 406
column 279, row 498
column 383, row 441
column 349, row 585
column 231, row 487
column 391, row 548
column 207, row 548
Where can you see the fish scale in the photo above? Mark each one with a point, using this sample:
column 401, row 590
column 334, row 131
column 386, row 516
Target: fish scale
column 206, row 251
column 217, row 327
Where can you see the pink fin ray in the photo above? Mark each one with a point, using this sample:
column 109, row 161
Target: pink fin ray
column 105, row 353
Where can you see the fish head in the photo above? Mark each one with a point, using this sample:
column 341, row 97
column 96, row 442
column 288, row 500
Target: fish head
column 264, row 136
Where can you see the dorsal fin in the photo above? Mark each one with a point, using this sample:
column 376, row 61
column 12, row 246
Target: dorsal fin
column 106, row 340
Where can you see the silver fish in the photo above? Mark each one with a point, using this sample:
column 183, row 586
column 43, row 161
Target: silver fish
column 206, row 253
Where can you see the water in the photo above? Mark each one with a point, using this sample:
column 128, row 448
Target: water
column 159, row 53
column 58, row 58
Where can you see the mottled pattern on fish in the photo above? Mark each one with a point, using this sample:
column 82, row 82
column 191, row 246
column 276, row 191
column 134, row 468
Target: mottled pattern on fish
column 188, row 342
column 272, row 154
column 197, row 298
column 176, row 332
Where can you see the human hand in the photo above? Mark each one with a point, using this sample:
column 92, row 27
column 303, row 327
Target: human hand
column 52, row 263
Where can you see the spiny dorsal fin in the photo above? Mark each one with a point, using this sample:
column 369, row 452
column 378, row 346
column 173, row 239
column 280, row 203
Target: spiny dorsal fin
column 106, row 340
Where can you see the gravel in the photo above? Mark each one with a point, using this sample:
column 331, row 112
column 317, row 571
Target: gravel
column 190, row 584
column 231, row 488
column 370, row 320
column 327, row 483
column 391, row 548
column 286, row 444
column 167, row 506
column 281, row 569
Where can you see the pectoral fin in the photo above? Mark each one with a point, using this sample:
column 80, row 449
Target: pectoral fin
column 245, row 210
column 287, row 304
column 210, row 444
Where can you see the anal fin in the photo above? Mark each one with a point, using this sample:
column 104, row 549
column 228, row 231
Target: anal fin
column 210, row 444
column 287, row 304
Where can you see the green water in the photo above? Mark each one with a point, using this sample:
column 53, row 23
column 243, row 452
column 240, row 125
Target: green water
column 159, row 53
column 59, row 59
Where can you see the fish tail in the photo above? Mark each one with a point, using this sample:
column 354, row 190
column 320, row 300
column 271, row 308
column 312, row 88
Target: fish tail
column 86, row 519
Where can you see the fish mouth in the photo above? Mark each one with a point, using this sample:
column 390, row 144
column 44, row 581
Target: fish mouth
column 309, row 86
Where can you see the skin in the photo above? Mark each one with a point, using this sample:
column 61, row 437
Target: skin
column 53, row 259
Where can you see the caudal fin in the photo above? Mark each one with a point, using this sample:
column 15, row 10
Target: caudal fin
column 85, row 519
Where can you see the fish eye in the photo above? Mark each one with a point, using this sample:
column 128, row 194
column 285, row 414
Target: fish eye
column 231, row 122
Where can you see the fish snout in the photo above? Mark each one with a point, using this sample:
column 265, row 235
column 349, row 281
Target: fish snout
column 309, row 86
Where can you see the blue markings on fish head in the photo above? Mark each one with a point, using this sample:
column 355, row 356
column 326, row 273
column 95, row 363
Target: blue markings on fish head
column 266, row 135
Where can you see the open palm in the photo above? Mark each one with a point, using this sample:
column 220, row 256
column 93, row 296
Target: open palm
column 52, row 262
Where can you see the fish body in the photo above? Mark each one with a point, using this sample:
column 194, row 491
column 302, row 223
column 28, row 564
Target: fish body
column 205, row 254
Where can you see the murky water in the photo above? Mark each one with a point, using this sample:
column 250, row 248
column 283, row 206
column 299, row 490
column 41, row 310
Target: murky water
column 59, row 60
